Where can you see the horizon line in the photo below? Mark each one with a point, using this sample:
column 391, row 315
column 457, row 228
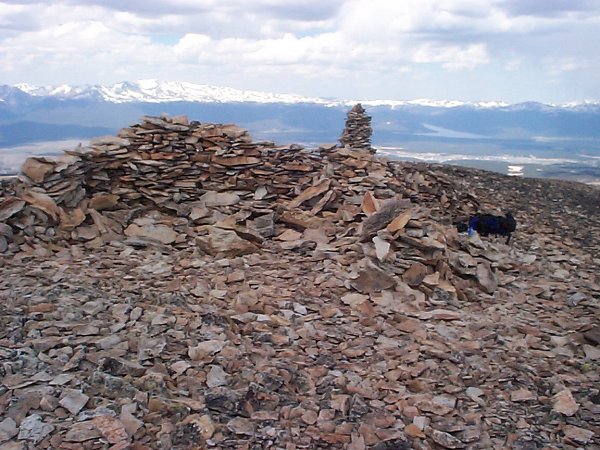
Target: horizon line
column 418, row 101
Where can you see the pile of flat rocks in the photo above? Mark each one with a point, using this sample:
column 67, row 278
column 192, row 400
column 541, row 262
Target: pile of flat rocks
column 357, row 131
column 181, row 286
column 97, row 194
column 166, row 179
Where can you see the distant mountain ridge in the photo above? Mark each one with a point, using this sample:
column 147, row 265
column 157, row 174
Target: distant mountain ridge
column 529, row 138
column 154, row 91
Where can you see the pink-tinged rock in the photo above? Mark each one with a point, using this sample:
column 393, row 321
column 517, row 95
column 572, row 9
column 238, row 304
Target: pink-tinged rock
column 212, row 198
column 439, row 405
column 440, row 314
column 522, row 395
column 357, row 443
column 446, row 440
column 413, row 431
column 593, row 335
column 371, row 280
column 73, row 401
column 37, row 168
column 591, row 352
column 415, row 274
column 289, row 235
column 486, row 277
column 242, row 426
column 129, row 421
column 180, row 367
column 216, row 376
column 85, row 233
column 158, row 232
column 577, row 434
column 205, row 349
column 564, row 403
column 42, row 202
column 235, row 160
column 111, row 428
column 82, row 431
column 383, row 217
column 103, row 201
column 226, row 242
column 399, row 222
column 310, row 417
column 71, row 219
column 8, row 429
column 313, row 191
column 369, row 204
column 354, row 300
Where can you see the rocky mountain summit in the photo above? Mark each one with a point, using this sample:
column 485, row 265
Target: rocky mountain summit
column 181, row 286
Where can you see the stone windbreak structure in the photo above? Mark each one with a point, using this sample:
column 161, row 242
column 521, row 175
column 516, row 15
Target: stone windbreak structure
column 91, row 194
column 96, row 194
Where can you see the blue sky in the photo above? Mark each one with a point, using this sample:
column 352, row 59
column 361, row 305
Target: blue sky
column 508, row 50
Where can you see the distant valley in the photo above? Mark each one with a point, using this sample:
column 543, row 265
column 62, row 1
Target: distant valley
column 531, row 139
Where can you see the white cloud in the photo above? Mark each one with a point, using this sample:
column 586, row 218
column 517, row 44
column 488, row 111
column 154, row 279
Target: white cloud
column 453, row 57
column 314, row 45
column 513, row 65
column 556, row 67
column 192, row 44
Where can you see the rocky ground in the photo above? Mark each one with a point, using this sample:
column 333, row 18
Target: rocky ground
column 291, row 300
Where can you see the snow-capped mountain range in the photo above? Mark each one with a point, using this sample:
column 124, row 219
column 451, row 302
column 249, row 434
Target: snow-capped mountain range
column 154, row 91
column 42, row 119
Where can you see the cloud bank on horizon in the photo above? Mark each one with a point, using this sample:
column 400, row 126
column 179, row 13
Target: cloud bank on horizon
column 510, row 50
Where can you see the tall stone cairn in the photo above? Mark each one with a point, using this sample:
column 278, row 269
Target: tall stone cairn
column 357, row 132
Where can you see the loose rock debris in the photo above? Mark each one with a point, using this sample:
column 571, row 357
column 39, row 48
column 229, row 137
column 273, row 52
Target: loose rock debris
column 181, row 286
